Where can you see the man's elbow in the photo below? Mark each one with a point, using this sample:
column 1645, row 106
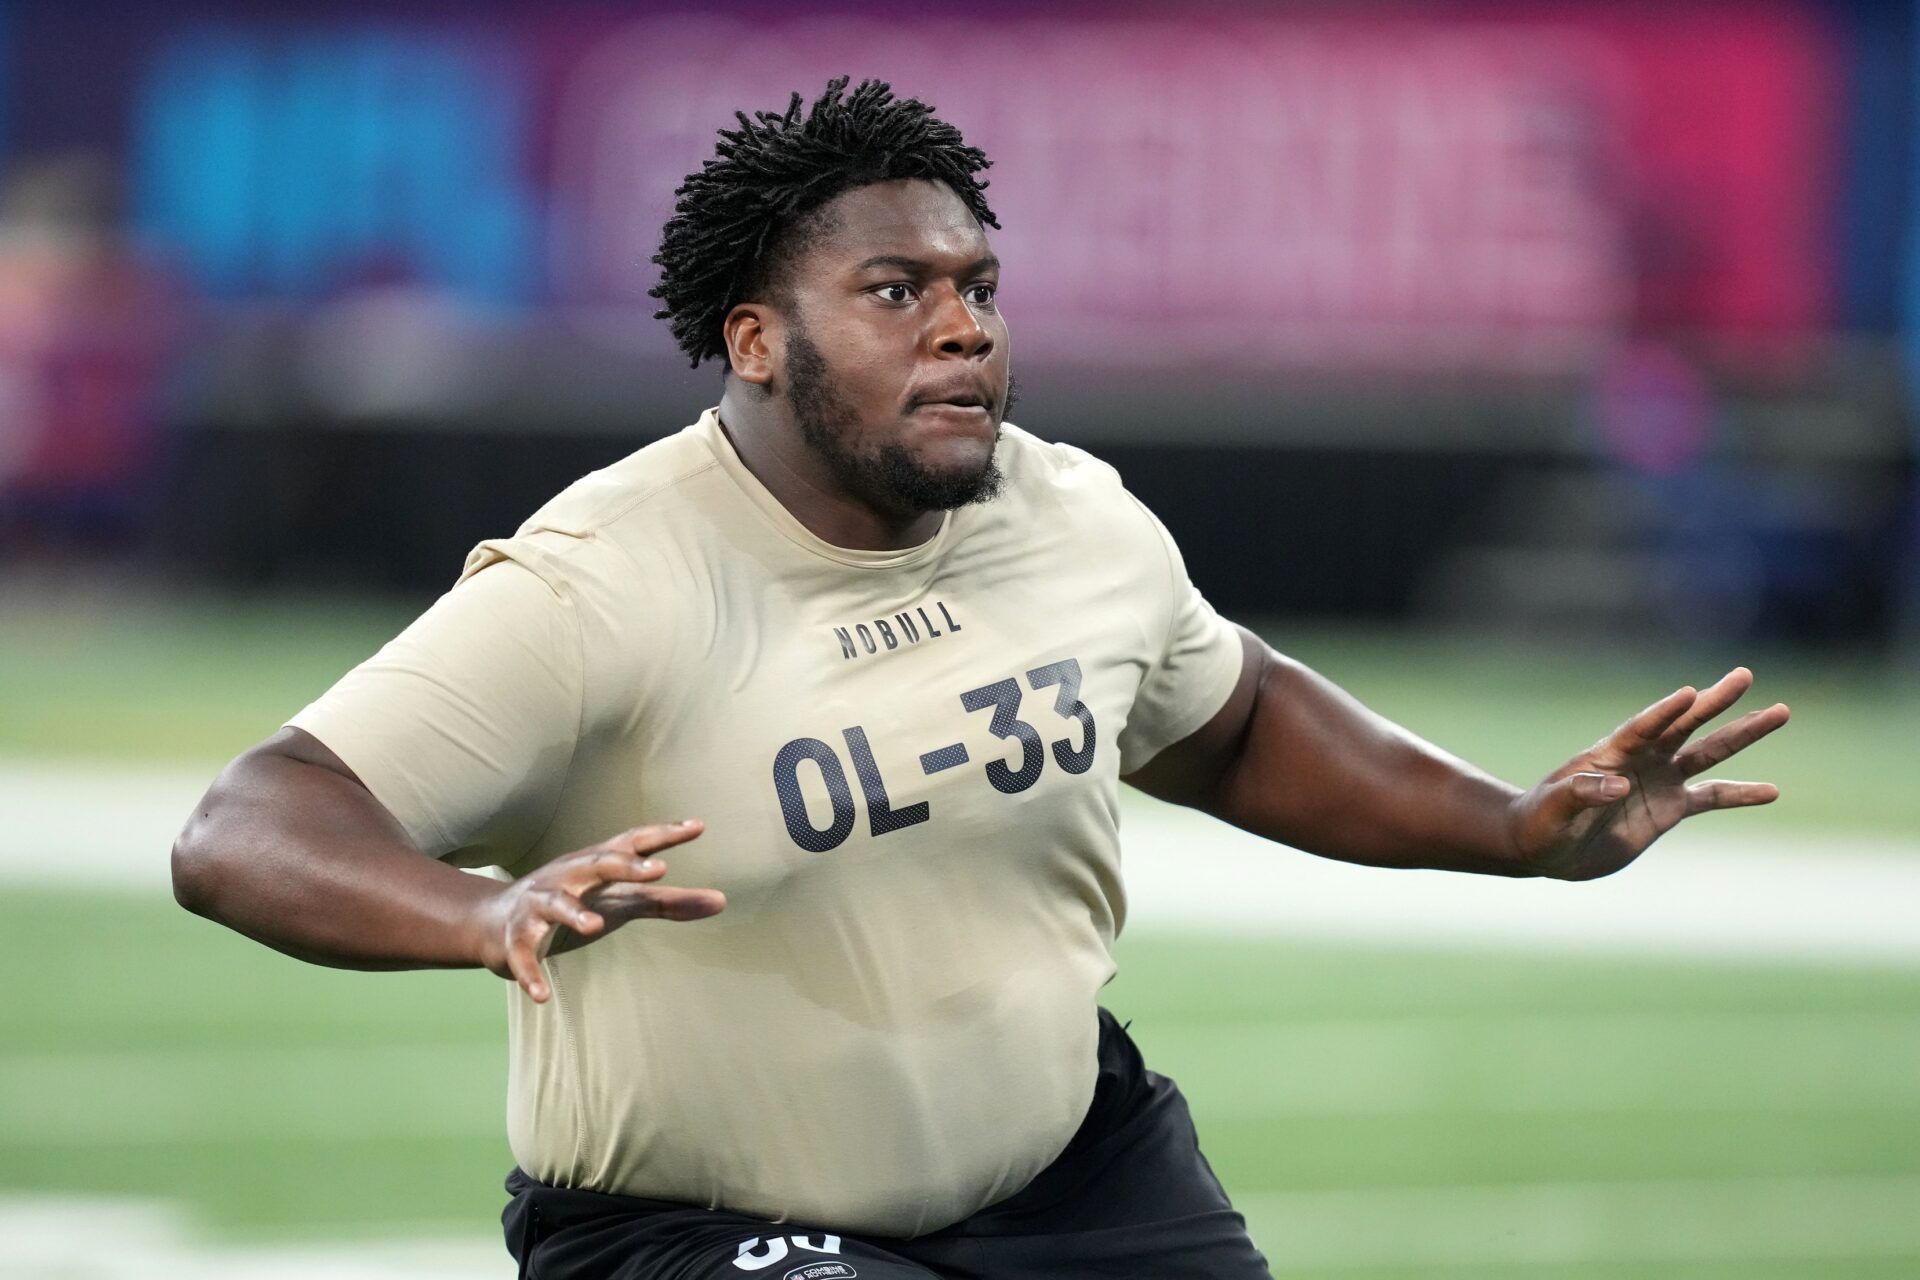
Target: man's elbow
column 202, row 860
column 196, row 865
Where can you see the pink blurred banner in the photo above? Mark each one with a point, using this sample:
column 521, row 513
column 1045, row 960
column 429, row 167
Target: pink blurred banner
column 1494, row 186
column 1507, row 188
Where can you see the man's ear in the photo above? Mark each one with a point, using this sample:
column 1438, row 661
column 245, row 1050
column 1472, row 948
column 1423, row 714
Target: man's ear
column 750, row 330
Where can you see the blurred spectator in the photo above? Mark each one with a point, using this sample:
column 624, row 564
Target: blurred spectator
column 86, row 326
column 1658, row 417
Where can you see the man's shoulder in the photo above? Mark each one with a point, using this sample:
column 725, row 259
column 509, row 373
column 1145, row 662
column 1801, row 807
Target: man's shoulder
column 1055, row 478
column 1038, row 466
column 647, row 487
column 647, row 480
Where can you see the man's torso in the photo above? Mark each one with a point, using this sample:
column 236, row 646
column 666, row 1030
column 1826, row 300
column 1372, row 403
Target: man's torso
column 907, row 763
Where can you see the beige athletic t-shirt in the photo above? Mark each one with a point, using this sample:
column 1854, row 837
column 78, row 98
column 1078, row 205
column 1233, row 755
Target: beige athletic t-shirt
column 908, row 765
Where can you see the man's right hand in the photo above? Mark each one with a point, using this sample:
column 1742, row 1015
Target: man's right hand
column 591, row 892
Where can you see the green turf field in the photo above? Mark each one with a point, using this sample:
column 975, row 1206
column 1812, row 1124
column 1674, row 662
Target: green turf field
column 1379, row 1113
column 1375, row 1112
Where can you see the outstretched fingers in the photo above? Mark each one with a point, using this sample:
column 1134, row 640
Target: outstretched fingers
column 598, row 888
column 622, row 902
column 1647, row 728
column 671, row 902
column 611, row 867
column 656, row 836
column 626, row 857
column 1713, row 700
column 1700, row 756
column 1705, row 797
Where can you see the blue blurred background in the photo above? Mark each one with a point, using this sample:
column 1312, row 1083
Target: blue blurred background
column 1510, row 362
column 1519, row 315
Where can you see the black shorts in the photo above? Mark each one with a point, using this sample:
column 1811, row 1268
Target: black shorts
column 1131, row 1197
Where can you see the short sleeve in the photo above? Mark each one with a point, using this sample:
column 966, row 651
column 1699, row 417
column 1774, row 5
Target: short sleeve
column 1193, row 674
column 464, row 725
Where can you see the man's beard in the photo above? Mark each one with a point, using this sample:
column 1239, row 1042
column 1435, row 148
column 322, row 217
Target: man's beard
column 886, row 476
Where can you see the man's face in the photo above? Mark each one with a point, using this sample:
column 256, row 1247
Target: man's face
column 895, row 352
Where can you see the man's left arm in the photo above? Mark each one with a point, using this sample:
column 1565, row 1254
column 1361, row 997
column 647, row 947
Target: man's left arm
column 1294, row 758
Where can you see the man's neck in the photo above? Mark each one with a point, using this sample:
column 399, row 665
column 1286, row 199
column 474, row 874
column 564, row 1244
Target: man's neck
column 768, row 441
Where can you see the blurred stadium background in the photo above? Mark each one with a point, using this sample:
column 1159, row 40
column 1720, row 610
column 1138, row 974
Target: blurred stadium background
column 1510, row 362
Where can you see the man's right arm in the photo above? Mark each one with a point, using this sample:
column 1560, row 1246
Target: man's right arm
column 289, row 848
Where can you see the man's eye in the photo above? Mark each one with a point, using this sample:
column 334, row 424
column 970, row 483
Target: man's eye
column 981, row 295
column 895, row 292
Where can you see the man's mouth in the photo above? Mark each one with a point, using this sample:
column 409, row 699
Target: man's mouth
column 970, row 410
column 958, row 393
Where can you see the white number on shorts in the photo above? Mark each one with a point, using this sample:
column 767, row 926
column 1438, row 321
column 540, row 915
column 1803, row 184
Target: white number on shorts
column 753, row 1257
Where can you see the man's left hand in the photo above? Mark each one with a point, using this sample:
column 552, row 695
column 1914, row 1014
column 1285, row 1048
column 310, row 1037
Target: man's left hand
column 1601, row 810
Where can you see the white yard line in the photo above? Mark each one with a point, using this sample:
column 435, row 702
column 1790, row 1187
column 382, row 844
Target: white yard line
column 1725, row 885
column 72, row 1237
column 93, row 825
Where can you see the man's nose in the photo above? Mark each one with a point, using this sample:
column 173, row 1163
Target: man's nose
column 957, row 331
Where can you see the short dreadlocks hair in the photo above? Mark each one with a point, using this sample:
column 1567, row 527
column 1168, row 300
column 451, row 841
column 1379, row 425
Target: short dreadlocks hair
column 737, row 223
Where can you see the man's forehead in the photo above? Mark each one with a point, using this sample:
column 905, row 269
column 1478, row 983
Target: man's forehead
column 908, row 218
